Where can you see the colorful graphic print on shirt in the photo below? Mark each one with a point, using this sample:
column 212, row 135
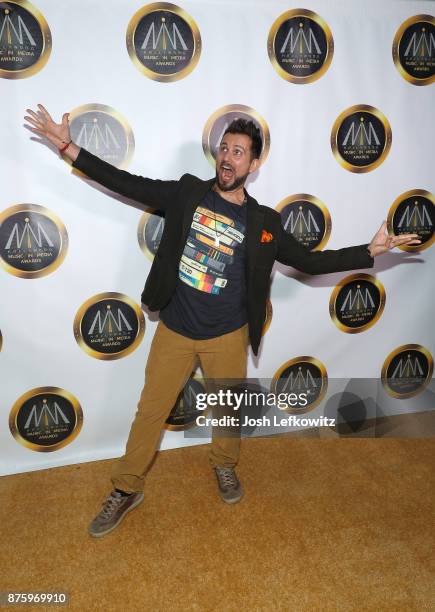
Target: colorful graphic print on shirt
column 204, row 259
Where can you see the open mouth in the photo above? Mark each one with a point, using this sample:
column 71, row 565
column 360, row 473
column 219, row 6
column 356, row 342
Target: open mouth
column 226, row 172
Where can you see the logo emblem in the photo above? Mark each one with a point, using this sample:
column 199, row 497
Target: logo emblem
column 301, row 375
column 25, row 40
column 300, row 46
column 361, row 138
column 307, row 219
column 33, row 241
column 184, row 413
column 356, row 303
column 414, row 50
column 109, row 326
column 218, row 122
column 163, row 42
column 46, row 419
column 104, row 132
column 149, row 233
column 413, row 212
column 407, row 371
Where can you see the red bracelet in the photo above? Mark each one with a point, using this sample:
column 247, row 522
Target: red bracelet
column 65, row 146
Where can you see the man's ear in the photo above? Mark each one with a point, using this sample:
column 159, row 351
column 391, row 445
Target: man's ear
column 255, row 164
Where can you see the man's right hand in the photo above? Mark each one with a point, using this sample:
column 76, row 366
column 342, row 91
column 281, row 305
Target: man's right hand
column 57, row 133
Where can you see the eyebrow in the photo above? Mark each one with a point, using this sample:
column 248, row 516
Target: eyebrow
column 236, row 145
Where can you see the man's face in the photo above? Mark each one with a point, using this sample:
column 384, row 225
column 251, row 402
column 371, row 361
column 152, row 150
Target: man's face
column 234, row 161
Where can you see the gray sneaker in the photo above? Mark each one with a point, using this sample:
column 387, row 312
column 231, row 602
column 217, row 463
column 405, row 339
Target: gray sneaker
column 113, row 511
column 230, row 488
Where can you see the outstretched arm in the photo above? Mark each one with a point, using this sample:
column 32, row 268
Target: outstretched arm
column 155, row 193
column 293, row 253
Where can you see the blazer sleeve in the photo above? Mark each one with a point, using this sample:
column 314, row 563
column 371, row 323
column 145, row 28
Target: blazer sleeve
column 155, row 193
column 293, row 253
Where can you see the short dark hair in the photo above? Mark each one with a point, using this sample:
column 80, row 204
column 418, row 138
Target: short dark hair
column 242, row 126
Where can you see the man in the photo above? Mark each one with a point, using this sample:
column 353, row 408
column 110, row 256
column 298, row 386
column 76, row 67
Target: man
column 209, row 280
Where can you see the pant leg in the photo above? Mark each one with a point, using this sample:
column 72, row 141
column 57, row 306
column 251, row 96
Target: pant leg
column 224, row 359
column 169, row 365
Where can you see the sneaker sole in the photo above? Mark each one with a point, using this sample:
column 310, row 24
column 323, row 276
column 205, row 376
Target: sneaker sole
column 232, row 501
column 132, row 507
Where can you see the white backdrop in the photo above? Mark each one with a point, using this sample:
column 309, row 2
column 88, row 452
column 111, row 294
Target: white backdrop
column 89, row 64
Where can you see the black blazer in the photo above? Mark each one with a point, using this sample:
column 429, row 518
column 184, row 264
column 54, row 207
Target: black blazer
column 179, row 199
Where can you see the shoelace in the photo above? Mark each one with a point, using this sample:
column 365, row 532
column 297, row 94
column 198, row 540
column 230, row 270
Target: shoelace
column 227, row 477
column 111, row 505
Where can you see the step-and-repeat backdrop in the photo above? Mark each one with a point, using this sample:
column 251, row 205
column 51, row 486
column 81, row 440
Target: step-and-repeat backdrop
column 342, row 92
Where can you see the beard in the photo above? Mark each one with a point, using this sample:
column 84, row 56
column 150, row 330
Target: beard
column 238, row 182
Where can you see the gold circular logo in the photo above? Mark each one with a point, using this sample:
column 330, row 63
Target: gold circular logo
column 46, row 419
column 299, row 375
column 109, row 326
column 219, row 121
column 104, row 132
column 163, row 42
column 407, row 371
column 33, row 241
column 149, row 233
column 25, row 40
column 184, row 413
column 414, row 49
column 356, row 303
column 300, row 46
column 307, row 219
column 413, row 212
column 361, row 138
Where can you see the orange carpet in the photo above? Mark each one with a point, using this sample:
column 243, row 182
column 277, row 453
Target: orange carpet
column 325, row 524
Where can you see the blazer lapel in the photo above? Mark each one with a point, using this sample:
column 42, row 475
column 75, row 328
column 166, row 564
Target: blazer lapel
column 197, row 194
column 253, row 234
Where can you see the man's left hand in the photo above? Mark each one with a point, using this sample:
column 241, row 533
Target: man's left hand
column 383, row 242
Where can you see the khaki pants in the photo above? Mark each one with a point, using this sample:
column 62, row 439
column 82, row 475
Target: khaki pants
column 170, row 363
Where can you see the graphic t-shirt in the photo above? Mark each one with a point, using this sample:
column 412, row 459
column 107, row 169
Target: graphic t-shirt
column 210, row 296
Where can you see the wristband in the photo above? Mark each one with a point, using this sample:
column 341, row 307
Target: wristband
column 66, row 145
